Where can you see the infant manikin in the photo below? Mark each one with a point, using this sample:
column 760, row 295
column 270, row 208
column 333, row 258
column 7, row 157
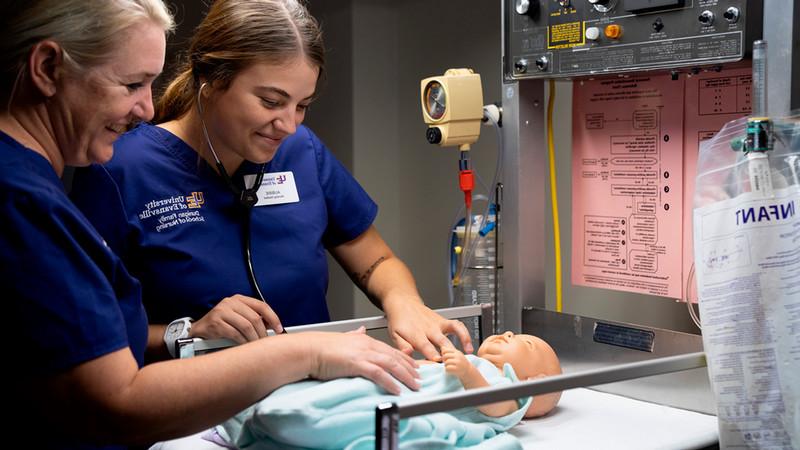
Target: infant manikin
column 529, row 356
column 340, row 413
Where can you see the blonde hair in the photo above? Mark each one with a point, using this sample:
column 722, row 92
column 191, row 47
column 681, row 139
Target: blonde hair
column 234, row 35
column 88, row 31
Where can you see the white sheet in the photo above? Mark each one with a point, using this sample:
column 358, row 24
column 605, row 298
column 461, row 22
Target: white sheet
column 586, row 419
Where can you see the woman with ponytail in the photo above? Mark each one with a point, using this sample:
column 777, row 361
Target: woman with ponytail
column 225, row 207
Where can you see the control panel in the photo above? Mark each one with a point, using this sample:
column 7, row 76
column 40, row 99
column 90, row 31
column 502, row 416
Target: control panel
column 572, row 38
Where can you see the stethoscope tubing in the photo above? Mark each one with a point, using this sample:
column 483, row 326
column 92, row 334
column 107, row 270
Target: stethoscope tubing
column 247, row 197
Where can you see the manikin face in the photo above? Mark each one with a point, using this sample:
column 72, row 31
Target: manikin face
column 528, row 354
column 96, row 106
column 530, row 357
column 262, row 106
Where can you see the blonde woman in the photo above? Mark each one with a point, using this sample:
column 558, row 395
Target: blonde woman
column 75, row 74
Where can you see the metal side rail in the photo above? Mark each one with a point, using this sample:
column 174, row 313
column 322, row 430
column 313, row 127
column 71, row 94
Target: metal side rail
column 190, row 347
column 388, row 415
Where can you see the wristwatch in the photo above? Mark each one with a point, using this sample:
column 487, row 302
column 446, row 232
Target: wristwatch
column 177, row 329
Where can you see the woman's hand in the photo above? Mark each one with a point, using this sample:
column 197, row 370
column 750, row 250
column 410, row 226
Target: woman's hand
column 414, row 326
column 336, row 355
column 390, row 286
column 239, row 318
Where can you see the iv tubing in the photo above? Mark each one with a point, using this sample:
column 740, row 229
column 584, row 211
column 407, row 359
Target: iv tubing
column 553, row 192
column 692, row 313
column 462, row 257
column 465, row 182
column 467, row 252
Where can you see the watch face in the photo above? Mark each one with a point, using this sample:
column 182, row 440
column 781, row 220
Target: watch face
column 176, row 327
column 175, row 330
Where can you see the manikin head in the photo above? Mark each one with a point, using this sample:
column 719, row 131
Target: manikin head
column 530, row 357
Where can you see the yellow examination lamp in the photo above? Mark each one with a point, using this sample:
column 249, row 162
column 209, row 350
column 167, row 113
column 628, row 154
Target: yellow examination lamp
column 452, row 106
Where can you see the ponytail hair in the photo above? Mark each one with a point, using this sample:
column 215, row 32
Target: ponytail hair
column 177, row 98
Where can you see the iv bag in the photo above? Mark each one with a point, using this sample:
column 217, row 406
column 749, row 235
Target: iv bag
column 747, row 260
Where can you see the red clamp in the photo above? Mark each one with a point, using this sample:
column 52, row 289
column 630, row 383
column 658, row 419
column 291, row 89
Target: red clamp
column 466, row 182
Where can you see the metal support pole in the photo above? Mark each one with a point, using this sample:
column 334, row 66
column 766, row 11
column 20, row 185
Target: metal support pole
column 780, row 18
column 486, row 321
column 387, row 419
column 555, row 383
column 524, row 175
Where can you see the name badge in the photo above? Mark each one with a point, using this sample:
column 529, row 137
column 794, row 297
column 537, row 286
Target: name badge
column 276, row 188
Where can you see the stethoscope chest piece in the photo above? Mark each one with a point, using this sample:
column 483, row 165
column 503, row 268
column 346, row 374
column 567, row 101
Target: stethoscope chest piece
column 249, row 197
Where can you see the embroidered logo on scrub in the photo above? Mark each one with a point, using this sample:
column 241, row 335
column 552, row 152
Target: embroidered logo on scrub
column 168, row 212
column 195, row 200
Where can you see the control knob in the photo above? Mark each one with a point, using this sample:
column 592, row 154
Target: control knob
column 731, row 14
column 602, row 6
column 523, row 7
column 542, row 63
column 521, row 66
column 706, row 18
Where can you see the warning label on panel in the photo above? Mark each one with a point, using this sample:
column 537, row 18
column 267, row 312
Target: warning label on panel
column 565, row 35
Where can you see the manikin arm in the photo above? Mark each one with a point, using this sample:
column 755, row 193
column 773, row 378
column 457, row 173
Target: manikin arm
column 457, row 364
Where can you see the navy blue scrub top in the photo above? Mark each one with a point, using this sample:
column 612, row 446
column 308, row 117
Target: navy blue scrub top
column 67, row 297
column 179, row 228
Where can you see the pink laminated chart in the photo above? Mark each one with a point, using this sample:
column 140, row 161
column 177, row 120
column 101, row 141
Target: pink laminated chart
column 627, row 184
column 634, row 150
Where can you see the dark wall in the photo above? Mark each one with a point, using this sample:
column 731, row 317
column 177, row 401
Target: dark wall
column 188, row 14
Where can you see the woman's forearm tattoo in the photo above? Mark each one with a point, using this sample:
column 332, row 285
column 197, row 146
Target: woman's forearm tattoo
column 364, row 278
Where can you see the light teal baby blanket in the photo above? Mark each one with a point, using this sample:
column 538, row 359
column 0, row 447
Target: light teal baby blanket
column 340, row 414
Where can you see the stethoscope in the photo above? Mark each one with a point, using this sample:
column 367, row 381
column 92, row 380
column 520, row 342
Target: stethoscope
column 247, row 197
